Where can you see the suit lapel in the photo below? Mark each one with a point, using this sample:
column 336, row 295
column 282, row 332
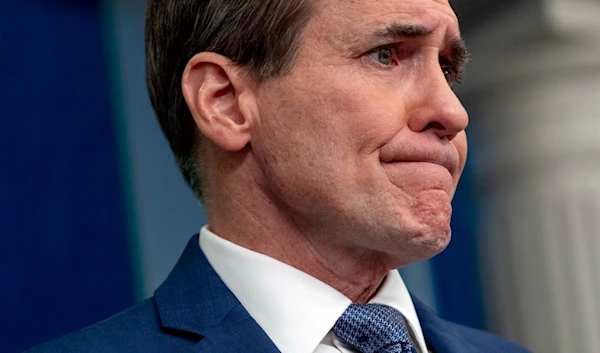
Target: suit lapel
column 238, row 332
column 440, row 335
column 194, row 302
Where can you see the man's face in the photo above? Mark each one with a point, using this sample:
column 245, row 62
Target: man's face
column 363, row 141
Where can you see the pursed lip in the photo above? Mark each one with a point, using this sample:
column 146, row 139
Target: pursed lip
column 446, row 157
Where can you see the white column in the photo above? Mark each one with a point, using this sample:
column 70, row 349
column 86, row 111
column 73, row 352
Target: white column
column 533, row 90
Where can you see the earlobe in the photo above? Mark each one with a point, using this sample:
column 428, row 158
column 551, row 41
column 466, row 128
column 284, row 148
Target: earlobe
column 212, row 88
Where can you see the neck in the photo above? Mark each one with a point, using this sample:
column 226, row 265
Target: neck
column 356, row 275
column 240, row 211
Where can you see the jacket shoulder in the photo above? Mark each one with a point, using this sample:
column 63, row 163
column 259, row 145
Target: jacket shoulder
column 444, row 335
column 136, row 329
column 482, row 341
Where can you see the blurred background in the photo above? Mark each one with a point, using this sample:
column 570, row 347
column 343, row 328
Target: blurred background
column 94, row 214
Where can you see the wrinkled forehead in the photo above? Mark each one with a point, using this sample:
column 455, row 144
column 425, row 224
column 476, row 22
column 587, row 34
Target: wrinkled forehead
column 381, row 6
column 351, row 17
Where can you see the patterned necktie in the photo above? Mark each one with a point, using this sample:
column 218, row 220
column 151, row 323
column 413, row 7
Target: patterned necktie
column 374, row 328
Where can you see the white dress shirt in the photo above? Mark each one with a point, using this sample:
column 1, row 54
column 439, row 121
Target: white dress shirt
column 296, row 310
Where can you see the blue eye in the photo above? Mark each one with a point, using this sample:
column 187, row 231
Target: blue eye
column 451, row 75
column 448, row 74
column 382, row 55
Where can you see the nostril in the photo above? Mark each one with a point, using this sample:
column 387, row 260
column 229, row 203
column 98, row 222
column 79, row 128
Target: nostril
column 451, row 137
column 434, row 125
column 440, row 130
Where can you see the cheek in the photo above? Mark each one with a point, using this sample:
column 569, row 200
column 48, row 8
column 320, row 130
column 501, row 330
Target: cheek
column 369, row 115
column 312, row 142
column 296, row 140
column 331, row 124
column 339, row 117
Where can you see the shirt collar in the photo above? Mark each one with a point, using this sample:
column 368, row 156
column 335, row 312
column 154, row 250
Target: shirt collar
column 294, row 309
column 394, row 293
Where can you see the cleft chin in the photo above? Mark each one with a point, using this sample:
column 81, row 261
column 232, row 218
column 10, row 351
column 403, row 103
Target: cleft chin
column 433, row 210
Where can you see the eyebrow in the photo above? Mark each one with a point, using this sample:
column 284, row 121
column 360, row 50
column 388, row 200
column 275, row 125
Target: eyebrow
column 458, row 53
column 400, row 31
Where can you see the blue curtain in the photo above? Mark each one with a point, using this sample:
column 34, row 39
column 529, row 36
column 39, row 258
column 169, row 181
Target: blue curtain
column 457, row 269
column 64, row 256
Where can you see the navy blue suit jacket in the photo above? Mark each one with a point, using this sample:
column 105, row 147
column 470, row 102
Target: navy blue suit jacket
column 193, row 311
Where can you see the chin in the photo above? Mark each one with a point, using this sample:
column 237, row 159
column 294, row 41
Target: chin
column 415, row 245
column 432, row 243
column 432, row 215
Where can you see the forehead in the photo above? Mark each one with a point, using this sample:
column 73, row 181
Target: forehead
column 350, row 18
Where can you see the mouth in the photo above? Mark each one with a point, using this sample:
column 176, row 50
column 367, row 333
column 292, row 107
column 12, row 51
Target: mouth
column 417, row 177
column 447, row 158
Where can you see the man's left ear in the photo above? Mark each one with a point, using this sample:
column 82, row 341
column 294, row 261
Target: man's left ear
column 218, row 98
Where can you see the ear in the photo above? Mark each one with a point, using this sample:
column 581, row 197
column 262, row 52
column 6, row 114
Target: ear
column 212, row 88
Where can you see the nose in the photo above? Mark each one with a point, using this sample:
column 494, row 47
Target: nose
column 437, row 108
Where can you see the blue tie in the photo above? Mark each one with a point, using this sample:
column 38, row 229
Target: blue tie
column 374, row 328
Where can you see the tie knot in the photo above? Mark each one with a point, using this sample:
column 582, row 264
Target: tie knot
column 372, row 328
